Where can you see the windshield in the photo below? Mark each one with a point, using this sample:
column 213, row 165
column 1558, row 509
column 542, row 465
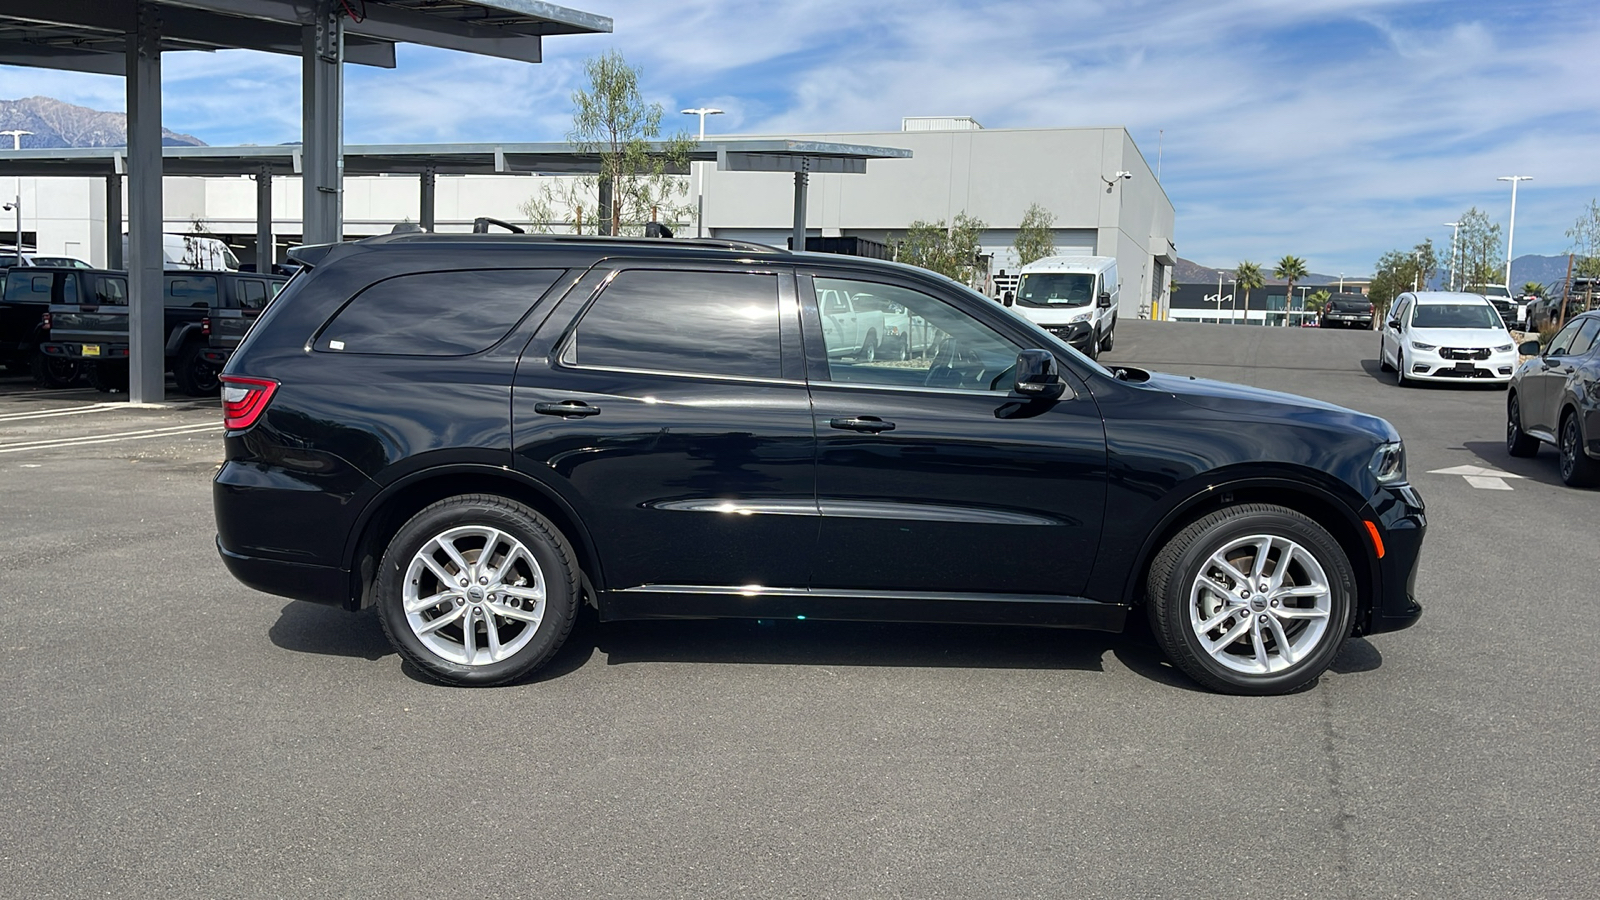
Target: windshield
column 1456, row 315
column 1046, row 289
column 1492, row 290
column 66, row 262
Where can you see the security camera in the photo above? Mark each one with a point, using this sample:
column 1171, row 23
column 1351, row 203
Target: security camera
column 1124, row 175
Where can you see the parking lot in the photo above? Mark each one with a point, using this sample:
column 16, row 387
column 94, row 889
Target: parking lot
column 170, row 732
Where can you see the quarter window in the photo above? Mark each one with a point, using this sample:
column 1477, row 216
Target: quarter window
column 436, row 313
column 889, row 335
column 697, row 323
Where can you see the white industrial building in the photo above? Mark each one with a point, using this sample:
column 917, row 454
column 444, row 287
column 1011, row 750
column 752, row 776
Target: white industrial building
column 1103, row 195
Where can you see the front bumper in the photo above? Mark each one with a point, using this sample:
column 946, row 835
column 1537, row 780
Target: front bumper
column 1429, row 365
column 1402, row 523
column 1078, row 334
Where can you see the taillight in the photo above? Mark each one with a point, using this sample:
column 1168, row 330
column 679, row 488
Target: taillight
column 205, row 325
column 45, row 321
column 243, row 400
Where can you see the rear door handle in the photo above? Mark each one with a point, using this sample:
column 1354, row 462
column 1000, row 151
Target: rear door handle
column 567, row 409
column 866, row 424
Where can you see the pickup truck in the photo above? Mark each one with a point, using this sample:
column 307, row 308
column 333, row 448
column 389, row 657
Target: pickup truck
column 90, row 325
column 1347, row 311
column 27, row 296
column 867, row 328
column 225, row 325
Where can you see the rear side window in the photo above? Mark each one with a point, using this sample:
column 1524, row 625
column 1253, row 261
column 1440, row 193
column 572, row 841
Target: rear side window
column 696, row 323
column 436, row 313
column 110, row 291
column 190, row 290
column 21, row 288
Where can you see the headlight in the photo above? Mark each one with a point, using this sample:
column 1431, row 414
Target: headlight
column 1080, row 317
column 1389, row 463
column 1504, row 348
column 1418, row 345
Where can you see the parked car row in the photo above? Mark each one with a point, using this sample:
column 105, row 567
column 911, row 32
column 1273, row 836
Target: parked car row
column 1555, row 399
column 63, row 323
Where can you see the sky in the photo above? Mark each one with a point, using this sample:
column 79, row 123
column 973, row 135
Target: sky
column 1333, row 130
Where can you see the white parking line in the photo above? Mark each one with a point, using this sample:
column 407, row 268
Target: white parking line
column 1481, row 477
column 174, row 431
column 53, row 413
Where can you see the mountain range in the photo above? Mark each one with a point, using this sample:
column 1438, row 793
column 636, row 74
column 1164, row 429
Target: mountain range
column 1549, row 271
column 56, row 124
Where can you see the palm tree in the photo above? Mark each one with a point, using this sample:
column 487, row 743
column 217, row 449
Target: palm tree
column 1532, row 289
column 1248, row 276
column 1291, row 269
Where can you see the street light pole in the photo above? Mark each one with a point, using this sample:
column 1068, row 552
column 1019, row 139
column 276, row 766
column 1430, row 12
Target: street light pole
column 1511, row 233
column 1456, row 229
column 16, row 144
column 699, row 170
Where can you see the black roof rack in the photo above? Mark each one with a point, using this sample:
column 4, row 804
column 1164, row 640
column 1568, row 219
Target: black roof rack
column 702, row 243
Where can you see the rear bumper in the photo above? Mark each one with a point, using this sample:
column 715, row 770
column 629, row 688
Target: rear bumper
column 298, row 581
column 75, row 350
column 215, row 356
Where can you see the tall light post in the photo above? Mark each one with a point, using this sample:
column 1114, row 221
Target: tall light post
column 1456, row 229
column 699, row 171
column 16, row 144
column 1511, row 233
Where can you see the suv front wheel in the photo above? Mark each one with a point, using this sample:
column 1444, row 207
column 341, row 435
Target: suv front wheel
column 1252, row 599
column 477, row 590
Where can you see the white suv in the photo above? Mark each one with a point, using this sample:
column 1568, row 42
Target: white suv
column 1444, row 336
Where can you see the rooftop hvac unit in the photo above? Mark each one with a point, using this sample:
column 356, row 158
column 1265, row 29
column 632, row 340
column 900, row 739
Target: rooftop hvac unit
column 940, row 123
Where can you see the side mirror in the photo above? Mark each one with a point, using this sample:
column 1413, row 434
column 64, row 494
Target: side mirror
column 1528, row 348
column 1395, row 324
column 1105, row 300
column 1009, row 298
column 1036, row 375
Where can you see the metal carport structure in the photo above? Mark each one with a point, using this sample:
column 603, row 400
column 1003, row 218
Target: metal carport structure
column 127, row 37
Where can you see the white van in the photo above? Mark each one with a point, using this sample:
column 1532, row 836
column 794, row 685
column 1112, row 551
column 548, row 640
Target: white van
column 192, row 251
column 1074, row 298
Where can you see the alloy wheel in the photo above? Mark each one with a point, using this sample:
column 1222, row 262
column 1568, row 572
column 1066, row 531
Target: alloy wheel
column 1260, row 604
column 474, row 595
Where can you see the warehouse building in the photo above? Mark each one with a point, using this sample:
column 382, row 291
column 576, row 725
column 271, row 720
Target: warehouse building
column 1103, row 195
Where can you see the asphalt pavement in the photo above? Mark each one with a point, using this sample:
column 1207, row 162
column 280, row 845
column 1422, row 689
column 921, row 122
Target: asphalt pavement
column 167, row 731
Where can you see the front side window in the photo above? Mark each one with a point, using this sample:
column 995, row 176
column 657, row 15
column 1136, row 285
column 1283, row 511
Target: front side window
column 436, row 313
column 1586, row 338
column 1561, row 345
column 1047, row 290
column 110, row 291
column 905, row 338
column 252, row 294
column 681, row 322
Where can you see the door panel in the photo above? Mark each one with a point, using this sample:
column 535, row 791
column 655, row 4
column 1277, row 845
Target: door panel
column 687, row 477
column 972, row 489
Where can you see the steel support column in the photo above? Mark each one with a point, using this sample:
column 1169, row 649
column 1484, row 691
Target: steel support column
column 322, row 83
column 264, row 248
column 146, row 335
column 114, row 222
column 801, row 181
column 427, row 180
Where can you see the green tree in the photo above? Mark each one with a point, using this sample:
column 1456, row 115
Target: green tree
column 1248, row 275
column 951, row 250
column 1585, row 237
column 640, row 173
column 1533, row 289
column 1290, row 269
column 1317, row 301
column 1479, row 257
column 1036, row 236
column 1425, row 264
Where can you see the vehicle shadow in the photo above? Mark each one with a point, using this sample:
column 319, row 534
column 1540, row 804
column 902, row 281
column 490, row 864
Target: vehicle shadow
column 312, row 628
column 1541, row 467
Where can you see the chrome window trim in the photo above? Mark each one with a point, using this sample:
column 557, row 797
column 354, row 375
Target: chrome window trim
column 746, row 379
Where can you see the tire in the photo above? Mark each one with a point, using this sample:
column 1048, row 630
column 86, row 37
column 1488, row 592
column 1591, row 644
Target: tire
column 1400, row 369
column 530, row 624
column 1577, row 469
column 1188, row 591
column 1383, row 364
column 901, row 349
column 1092, row 349
column 55, row 371
column 108, row 378
column 195, row 376
column 1518, row 442
column 869, row 348
column 1107, row 342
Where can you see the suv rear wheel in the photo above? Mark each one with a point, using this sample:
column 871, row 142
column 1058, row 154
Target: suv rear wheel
column 477, row 590
column 194, row 375
column 1252, row 599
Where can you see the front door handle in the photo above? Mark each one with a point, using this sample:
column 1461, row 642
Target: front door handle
column 865, row 424
column 567, row 409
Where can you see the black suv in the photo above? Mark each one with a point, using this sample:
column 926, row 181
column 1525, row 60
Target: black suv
column 477, row 433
